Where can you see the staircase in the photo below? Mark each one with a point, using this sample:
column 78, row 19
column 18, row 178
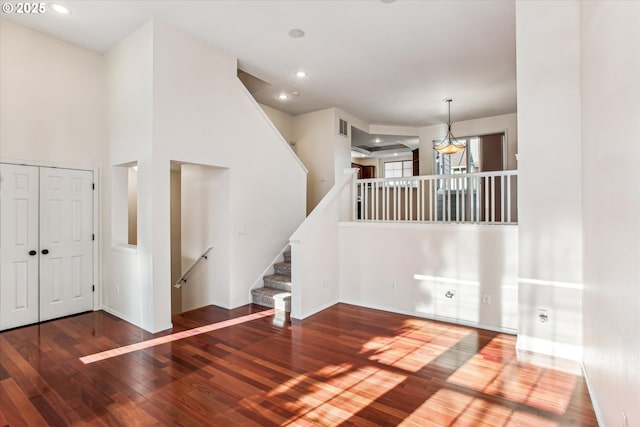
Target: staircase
column 276, row 292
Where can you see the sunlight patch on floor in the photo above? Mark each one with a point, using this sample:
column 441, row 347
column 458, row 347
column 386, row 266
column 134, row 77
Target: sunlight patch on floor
column 96, row 357
column 335, row 394
column 441, row 408
column 451, row 408
column 527, row 419
column 496, row 373
column 413, row 347
column 534, row 387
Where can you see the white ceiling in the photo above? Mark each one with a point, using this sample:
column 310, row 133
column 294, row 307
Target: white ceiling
column 385, row 63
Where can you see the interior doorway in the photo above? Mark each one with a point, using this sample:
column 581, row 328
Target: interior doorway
column 200, row 217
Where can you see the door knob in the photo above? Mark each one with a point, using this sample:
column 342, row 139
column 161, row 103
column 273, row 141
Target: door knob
column 45, row 251
column 32, row 252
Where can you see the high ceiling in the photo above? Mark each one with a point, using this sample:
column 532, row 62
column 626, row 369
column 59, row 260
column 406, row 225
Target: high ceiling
column 385, row 62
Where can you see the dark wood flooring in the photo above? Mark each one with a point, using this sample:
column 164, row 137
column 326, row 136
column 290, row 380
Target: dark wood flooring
column 346, row 366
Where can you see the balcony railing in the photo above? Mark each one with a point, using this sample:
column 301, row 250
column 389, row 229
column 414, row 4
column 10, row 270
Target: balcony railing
column 482, row 198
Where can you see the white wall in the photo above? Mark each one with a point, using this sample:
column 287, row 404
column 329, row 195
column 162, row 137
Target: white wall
column 52, row 103
column 127, row 276
column 315, row 273
column 505, row 123
column 611, row 207
column 314, row 129
column 341, row 152
column 325, row 152
column 408, row 268
column 204, row 115
column 315, row 137
column 549, row 186
column 282, row 121
column 175, row 98
column 168, row 96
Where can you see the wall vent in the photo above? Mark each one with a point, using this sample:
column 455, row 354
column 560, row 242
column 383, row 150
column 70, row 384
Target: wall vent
column 343, row 129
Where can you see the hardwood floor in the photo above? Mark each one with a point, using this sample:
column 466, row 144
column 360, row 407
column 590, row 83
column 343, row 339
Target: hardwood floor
column 345, row 366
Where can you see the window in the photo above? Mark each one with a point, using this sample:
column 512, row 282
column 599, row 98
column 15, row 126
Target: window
column 398, row 169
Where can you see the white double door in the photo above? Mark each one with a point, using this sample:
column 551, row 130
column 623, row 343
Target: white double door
column 46, row 243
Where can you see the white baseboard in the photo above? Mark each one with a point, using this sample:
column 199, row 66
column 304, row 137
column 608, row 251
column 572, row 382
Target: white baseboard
column 134, row 323
column 315, row 310
column 120, row 316
column 461, row 322
column 592, row 396
column 226, row 304
column 550, row 348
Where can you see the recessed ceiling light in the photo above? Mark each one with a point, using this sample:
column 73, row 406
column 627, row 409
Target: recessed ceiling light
column 378, row 141
column 63, row 10
column 395, row 154
column 296, row 93
column 283, row 96
column 296, row 33
column 301, row 74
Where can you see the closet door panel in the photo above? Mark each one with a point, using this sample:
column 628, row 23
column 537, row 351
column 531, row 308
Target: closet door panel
column 18, row 245
column 66, row 241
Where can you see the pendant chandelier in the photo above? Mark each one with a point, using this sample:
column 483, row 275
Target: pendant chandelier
column 449, row 144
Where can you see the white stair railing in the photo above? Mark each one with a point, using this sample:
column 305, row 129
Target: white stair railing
column 183, row 278
column 481, row 198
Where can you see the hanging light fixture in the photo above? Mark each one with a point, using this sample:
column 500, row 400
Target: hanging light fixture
column 449, row 144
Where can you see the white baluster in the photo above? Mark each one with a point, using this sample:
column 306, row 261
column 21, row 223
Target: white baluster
column 493, row 198
column 509, row 199
column 502, row 188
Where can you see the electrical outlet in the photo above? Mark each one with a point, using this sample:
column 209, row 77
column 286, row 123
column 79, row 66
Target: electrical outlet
column 393, row 286
column 486, row 298
column 543, row 316
column 324, row 284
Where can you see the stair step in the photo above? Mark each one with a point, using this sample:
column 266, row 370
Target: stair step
column 283, row 268
column 287, row 255
column 271, row 297
column 278, row 281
